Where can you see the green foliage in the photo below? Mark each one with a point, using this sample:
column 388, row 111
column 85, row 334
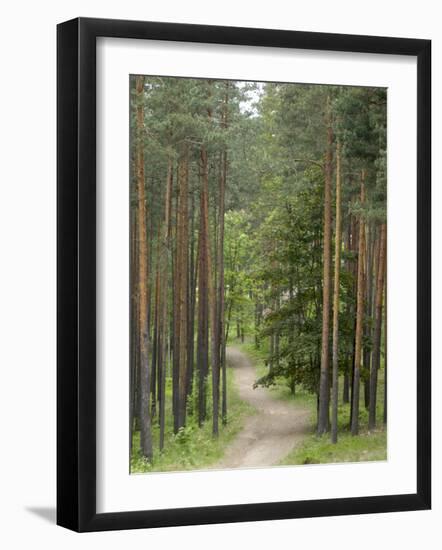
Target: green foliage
column 192, row 447
column 286, row 220
column 274, row 138
column 368, row 446
column 278, row 386
column 238, row 269
column 319, row 450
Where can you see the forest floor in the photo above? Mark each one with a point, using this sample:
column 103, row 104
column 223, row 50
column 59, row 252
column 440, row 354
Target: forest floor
column 310, row 448
column 266, row 427
column 193, row 448
column 276, row 428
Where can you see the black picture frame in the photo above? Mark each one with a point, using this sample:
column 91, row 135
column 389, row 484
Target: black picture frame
column 77, row 286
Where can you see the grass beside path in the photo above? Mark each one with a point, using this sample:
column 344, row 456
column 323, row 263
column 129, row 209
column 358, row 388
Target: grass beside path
column 367, row 446
column 193, row 448
column 319, row 450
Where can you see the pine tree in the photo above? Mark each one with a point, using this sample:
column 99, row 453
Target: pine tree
column 338, row 244
column 145, row 420
column 324, row 390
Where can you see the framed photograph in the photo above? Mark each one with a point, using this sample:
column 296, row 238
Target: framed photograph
column 243, row 265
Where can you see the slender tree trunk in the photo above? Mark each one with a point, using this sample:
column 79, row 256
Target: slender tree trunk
column 183, row 255
column 203, row 291
column 359, row 318
column 354, row 248
column 153, row 377
column 346, row 386
column 348, row 366
column 149, row 247
column 372, row 311
column 229, row 317
column 214, row 348
column 369, row 231
column 133, row 330
column 258, row 314
column 221, row 313
column 352, row 372
column 143, row 277
column 164, row 283
column 191, row 306
column 156, row 329
column 176, row 270
column 338, row 238
column 385, row 337
column 324, row 389
column 377, row 330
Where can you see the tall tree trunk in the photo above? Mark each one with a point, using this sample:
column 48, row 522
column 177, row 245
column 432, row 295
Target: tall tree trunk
column 183, row 255
column 338, row 238
column 176, row 270
column 221, row 302
column 348, row 364
column 153, row 378
column 191, row 296
column 369, row 234
column 354, row 248
column 359, row 318
column 151, row 276
column 324, row 389
column 214, row 349
column 156, row 329
column 377, row 330
column 133, row 328
column 385, row 337
column 164, row 283
column 203, row 290
column 221, row 290
column 143, row 277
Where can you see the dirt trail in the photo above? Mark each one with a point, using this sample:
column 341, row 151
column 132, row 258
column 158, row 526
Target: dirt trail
column 270, row 434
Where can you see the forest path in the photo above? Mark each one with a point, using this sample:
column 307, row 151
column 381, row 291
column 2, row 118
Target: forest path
column 272, row 432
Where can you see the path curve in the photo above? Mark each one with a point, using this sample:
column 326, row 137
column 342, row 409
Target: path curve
column 270, row 434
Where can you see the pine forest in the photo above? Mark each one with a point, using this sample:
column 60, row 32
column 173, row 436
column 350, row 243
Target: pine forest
column 258, row 271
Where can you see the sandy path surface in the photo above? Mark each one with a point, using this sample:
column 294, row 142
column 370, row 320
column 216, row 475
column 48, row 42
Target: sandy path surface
column 270, row 434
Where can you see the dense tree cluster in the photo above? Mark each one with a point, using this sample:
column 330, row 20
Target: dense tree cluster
column 324, row 234
column 257, row 211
